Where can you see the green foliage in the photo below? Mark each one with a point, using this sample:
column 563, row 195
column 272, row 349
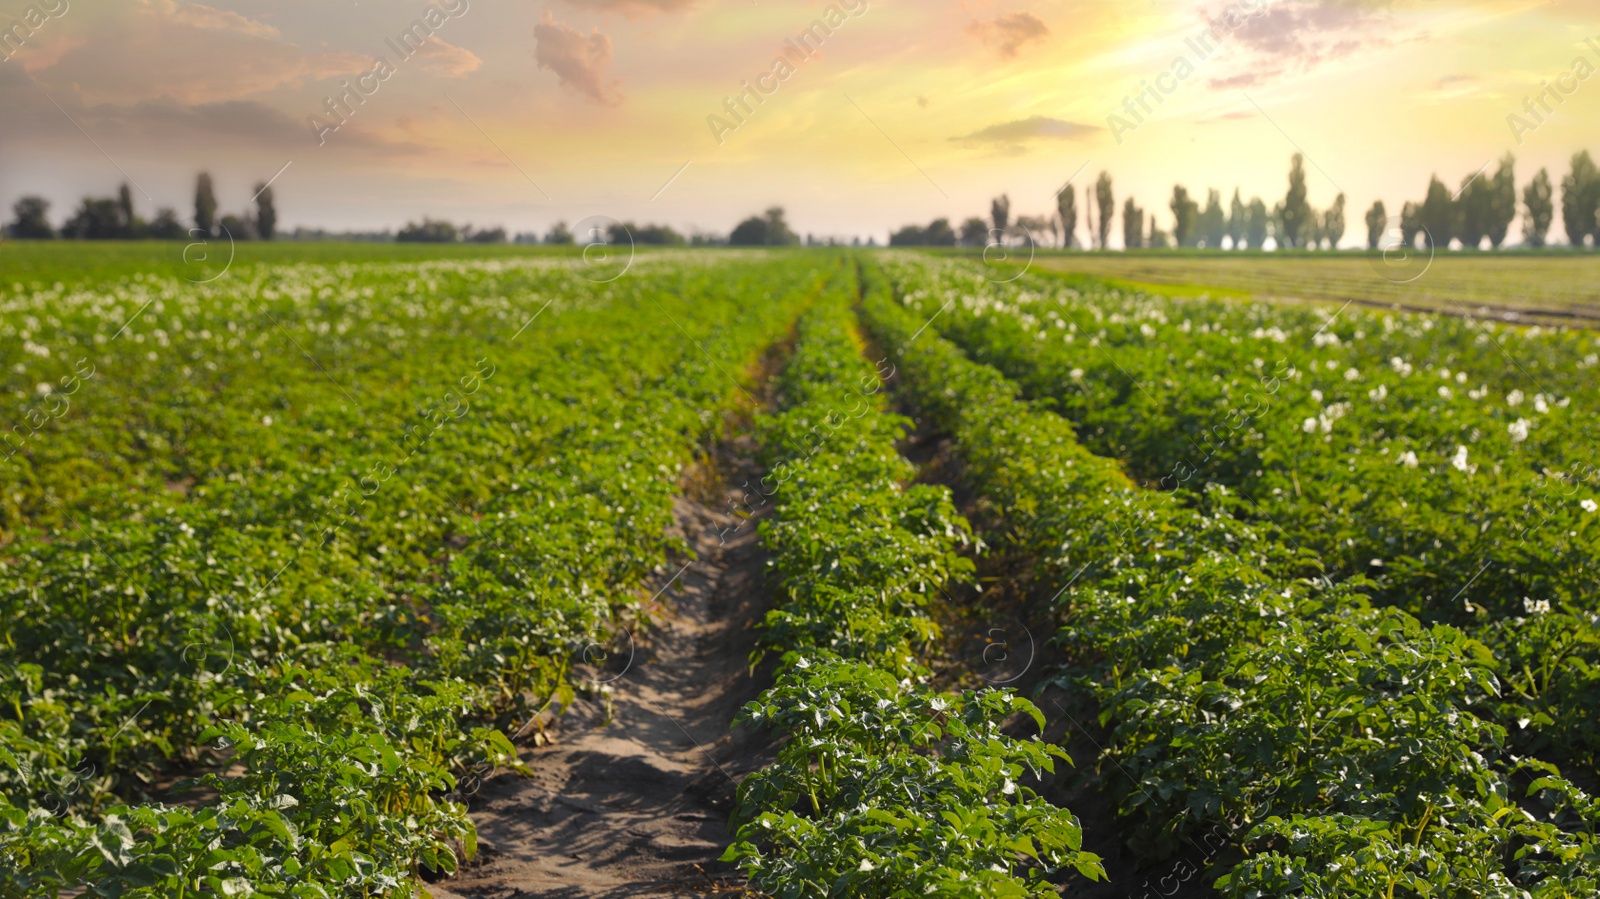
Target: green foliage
column 1240, row 679
column 234, row 594
column 901, row 793
column 1397, row 449
column 882, row 787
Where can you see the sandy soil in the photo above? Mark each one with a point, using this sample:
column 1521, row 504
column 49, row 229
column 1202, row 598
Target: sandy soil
column 637, row 806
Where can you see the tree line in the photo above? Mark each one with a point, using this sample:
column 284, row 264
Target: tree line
column 114, row 218
column 1478, row 214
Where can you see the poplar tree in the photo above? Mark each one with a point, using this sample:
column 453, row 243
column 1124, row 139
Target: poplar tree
column 1067, row 209
column 205, row 205
column 1537, row 200
column 1377, row 221
column 1108, row 206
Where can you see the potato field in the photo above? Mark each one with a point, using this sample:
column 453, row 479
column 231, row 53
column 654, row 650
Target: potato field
column 786, row 573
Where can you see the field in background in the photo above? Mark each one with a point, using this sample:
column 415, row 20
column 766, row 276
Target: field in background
column 73, row 262
column 1514, row 286
column 1568, row 284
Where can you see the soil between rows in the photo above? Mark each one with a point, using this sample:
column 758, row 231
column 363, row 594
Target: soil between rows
column 638, row 806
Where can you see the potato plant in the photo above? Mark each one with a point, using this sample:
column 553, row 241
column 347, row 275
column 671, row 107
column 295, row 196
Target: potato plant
column 334, row 612
column 1237, row 693
column 883, row 786
column 1448, row 461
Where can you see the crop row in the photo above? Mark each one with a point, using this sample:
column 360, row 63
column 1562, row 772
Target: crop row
column 252, row 628
column 882, row 786
column 1279, row 731
column 1449, row 462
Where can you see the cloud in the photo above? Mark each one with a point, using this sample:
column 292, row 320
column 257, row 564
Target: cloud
column 634, row 9
column 580, row 62
column 442, row 58
column 1033, row 128
column 1303, row 34
column 199, row 15
column 1243, row 79
column 165, row 128
column 192, row 54
column 1009, row 32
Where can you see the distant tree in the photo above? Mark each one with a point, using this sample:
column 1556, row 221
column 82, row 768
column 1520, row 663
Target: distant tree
column 1132, row 225
column 125, row 211
column 428, row 231
column 559, row 235
column 1185, row 218
column 658, row 235
column 1580, row 198
column 648, row 235
column 1039, row 229
column 1377, row 222
column 1279, row 230
column 33, row 219
column 1091, row 230
column 1295, row 219
column 770, row 229
column 1158, row 238
column 1410, row 224
column 1502, row 201
column 1000, row 213
column 908, row 236
column 778, row 232
column 266, row 213
column 240, row 227
column 95, row 220
column 1472, row 212
column 1237, row 220
column 974, row 232
column 205, row 205
column 1257, row 224
column 489, row 235
column 1540, row 209
column 165, row 226
column 1213, row 223
column 939, row 234
column 1314, row 231
column 1108, row 207
column 752, row 232
column 1333, row 225
column 1438, row 214
column 1067, row 210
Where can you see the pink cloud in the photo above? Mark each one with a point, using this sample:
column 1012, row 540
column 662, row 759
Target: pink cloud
column 1009, row 32
column 441, row 58
column 581, row 61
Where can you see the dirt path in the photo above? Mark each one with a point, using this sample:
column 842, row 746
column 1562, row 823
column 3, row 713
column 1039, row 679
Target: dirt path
column 638, row 807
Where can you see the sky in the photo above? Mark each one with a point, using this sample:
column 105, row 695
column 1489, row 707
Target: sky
column 521, row 114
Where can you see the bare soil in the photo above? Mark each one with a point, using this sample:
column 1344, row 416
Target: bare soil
column 637, row 805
